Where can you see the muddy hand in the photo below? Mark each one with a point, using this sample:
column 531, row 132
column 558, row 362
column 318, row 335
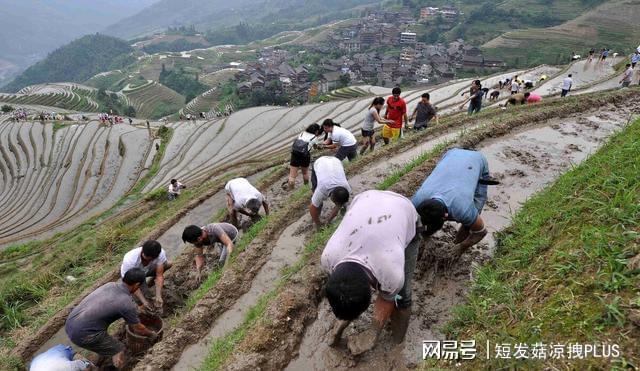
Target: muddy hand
column 335, row 335
column 363, row 342
column 159, row 303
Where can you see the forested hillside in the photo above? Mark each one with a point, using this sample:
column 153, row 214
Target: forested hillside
column 76, row 62
column 217, row 14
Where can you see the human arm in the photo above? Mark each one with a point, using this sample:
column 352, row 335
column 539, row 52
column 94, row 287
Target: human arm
column 334, row 212
column 413, row 115
column 199, row 258
column 381, row 120
column 138, row 294
column 315, row 214
column 266, row 207
column 225, row 240
column 141, row 329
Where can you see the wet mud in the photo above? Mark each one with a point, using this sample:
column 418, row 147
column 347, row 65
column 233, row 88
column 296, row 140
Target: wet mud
column 517, row 151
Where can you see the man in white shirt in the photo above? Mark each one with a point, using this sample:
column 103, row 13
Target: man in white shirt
column 342, row 139
column 243, row 198
column 515, row 87
column 375, row 247
column 567, row 83
column 174, row 189
column 328, row 180
column 627, row 76
column 151, row 258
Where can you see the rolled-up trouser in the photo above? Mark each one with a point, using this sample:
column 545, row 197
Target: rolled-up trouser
column 410, row 259
column 350, row 152
column 480, row 195
column 100, row 343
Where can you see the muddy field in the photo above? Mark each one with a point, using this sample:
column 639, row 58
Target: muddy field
column 525, row 160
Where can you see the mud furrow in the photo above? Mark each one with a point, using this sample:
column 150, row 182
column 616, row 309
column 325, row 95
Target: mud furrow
column 275, row 340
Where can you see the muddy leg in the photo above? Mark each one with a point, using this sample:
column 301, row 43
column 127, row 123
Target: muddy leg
column 400, row 316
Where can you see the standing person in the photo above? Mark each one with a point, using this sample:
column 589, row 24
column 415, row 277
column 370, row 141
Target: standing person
column 58, row 358
column 370, row 118
column 301, row 154
column 424, row 113
column 605, row 54
column 455, row 190
column 342, row 139
column 635, row 58
column 567, row 83
column 152, row 259
column 224, row 234
column 328, row 180
column 515, row 87
column 591, row 53
column 375, row 247
column 627, row 76
column 475, row 98
column 396, row 111
column 243, row 198
column 174, row 189
column 88, row 322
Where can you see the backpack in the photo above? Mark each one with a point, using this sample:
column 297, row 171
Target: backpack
column 300, row 147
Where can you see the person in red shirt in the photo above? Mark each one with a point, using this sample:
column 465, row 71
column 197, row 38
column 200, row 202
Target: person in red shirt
column 396, row 111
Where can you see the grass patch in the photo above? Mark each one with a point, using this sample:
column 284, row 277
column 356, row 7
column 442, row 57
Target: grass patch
column 560, row 272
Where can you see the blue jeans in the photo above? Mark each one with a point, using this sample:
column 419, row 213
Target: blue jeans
column 474, row 108
column 480, row 196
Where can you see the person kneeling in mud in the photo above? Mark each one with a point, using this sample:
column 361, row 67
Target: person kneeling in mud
column 152, row 259
column 456, row 190
column 374, row 247
column 210, row 235
column 245, row 199
column 328, row 180
column 88, row 322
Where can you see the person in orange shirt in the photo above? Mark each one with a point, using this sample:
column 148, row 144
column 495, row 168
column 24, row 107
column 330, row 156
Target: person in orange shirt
column 396, row 111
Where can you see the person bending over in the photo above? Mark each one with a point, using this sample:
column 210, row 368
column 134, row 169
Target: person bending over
column 328, row 180
column 88, row 322
column 245, row 199
column 456, row 190
column 375, row 248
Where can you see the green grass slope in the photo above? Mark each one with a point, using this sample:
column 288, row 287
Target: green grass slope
column 613, row 24
column 561, row 273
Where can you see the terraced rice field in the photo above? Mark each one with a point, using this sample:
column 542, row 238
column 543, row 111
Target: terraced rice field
column 204, row 102
column 295, row 319
column 153, row 100
column 54, row 178
column 62, row 95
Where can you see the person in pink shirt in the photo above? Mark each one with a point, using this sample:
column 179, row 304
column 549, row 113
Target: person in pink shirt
column 532, row 98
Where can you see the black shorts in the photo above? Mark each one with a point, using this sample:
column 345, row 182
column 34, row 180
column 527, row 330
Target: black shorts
column 604, row 57
column 367, row 133
column 300, row 160
column 314, row 180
